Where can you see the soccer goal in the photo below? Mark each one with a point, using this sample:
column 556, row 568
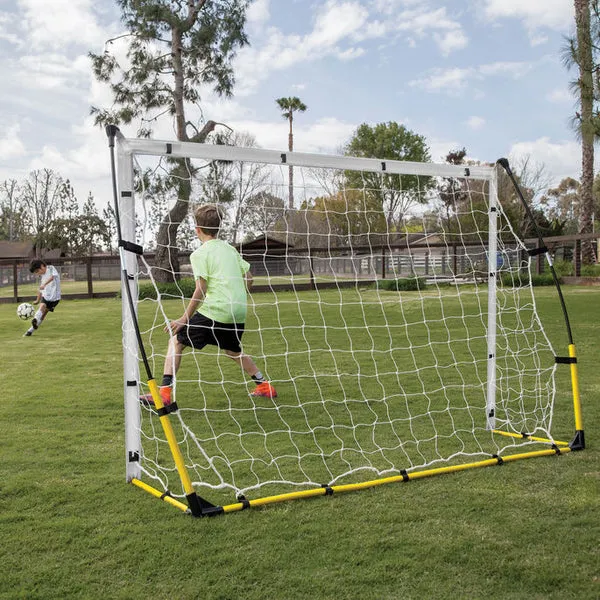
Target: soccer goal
column 392, row 310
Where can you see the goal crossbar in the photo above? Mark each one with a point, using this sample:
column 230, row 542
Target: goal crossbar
column 300, row 159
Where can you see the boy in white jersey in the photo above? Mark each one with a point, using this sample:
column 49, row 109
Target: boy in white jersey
column 48, row 293
column 216, row 312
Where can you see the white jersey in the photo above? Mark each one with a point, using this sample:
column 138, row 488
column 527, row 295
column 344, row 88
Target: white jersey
column 51, row 292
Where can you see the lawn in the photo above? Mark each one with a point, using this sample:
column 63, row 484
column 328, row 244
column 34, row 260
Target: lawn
column 72, row 527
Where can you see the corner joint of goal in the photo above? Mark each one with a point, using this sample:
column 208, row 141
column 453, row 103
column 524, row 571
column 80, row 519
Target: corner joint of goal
column 578, row 441
column 198, row 507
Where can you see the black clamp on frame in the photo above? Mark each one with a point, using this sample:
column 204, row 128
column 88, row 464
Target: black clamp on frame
column 537, row 251
column 167, row 410
column 565, row 360
column 131, row 247
column 328, row 489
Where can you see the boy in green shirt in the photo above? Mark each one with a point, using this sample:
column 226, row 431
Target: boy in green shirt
column 216, row 312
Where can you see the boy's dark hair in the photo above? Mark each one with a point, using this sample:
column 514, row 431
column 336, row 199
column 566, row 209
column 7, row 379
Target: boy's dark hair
column 208, row 218
column 36, row 264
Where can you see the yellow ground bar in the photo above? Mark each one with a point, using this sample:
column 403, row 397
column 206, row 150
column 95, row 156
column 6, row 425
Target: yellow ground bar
column 530, row 437
column 394, row 479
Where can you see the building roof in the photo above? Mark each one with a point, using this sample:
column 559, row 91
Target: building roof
column 264, row 242
column 16, row 249
column 25, row 250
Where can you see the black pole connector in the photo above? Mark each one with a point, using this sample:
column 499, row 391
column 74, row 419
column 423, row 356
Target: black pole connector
column 111, row 132
column 578, row 442
column 201, row 508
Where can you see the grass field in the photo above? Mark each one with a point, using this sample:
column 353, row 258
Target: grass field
column 72, row 527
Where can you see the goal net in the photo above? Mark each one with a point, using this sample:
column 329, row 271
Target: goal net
column 392, row 310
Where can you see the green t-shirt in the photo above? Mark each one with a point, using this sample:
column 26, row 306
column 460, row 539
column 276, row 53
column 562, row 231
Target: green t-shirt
column 223, row 268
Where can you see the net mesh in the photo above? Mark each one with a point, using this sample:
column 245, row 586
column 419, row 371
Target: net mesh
column 369, row 315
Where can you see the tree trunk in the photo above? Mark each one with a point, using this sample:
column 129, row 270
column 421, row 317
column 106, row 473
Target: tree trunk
column 166, row 264
column 586, row 88
column 290, row 168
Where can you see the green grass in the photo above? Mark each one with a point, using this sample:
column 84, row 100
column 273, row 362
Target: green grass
column 72, row 528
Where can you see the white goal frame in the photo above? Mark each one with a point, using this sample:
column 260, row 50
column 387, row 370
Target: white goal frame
column 127, row 149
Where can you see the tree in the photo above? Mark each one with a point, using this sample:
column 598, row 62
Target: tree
column 77, row 232
column 174, row 48
column 233, row 183
column 394, row 193
column 13, row 225
column 351, row 218
column 110, row 221
column 579, row 52
column 563, row 204
column 452, row 191
column 533, row 180
column 264, row 211
column 289, row 106
column 43, row 196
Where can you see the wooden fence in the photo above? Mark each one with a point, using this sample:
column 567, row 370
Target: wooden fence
column 87, row 277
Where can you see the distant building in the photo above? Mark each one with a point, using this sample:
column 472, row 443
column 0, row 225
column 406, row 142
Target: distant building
column 25, row 251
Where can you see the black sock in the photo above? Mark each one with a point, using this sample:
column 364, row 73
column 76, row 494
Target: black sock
column 167, row 380
column 258, row 377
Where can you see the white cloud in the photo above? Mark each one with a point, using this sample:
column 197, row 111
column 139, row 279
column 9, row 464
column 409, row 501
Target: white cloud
column 11, row 145
column 560, row 96
column 454, row 80
column 535, row 14
column 258, row 12
column 335, row 22
column 52, row 71
column 8, row 31
column 324, row 135
column 450, row 81
column 475, row 122
column 60, row 23
column 341, row 28
column 514, row 69
column 561, row 159
column 451, row 41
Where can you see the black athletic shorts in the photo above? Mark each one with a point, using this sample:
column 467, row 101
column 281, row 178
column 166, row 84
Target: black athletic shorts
column 201, row 331
column 50, row 305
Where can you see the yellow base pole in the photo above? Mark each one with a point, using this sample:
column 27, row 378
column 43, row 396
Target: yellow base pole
column 529, row 437
column 196, row 504
column 329, row 490
column 575, row 386
column 160, row 495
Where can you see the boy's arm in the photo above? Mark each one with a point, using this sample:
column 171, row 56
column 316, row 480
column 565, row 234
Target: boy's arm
column 196, row 300
column 39, row 298
column 47, row 282
column 249, row 280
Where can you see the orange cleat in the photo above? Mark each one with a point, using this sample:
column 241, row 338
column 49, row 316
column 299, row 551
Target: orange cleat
column 165, row 393
column 264, row 389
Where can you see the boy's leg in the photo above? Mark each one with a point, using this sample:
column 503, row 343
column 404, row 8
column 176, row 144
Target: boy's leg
column 39, row 316
column 263, row 388
column 173, row 357
column 172, row 362
column 244, row 361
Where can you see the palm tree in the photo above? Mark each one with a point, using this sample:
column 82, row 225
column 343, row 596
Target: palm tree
column 579, row 52
column 289, row 106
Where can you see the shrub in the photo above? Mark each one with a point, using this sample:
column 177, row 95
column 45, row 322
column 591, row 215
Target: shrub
column 590, row 270
column 407, row 284
column 562, row 267
column 185, row 287
column 521, row 279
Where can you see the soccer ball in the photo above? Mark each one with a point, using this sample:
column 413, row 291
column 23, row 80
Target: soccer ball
column 25, row 311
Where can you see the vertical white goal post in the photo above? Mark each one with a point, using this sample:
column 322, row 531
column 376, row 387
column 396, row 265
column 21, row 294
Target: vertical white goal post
column 393, row 310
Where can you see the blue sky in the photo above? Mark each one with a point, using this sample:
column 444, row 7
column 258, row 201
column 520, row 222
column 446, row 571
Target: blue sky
column 484, row 74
